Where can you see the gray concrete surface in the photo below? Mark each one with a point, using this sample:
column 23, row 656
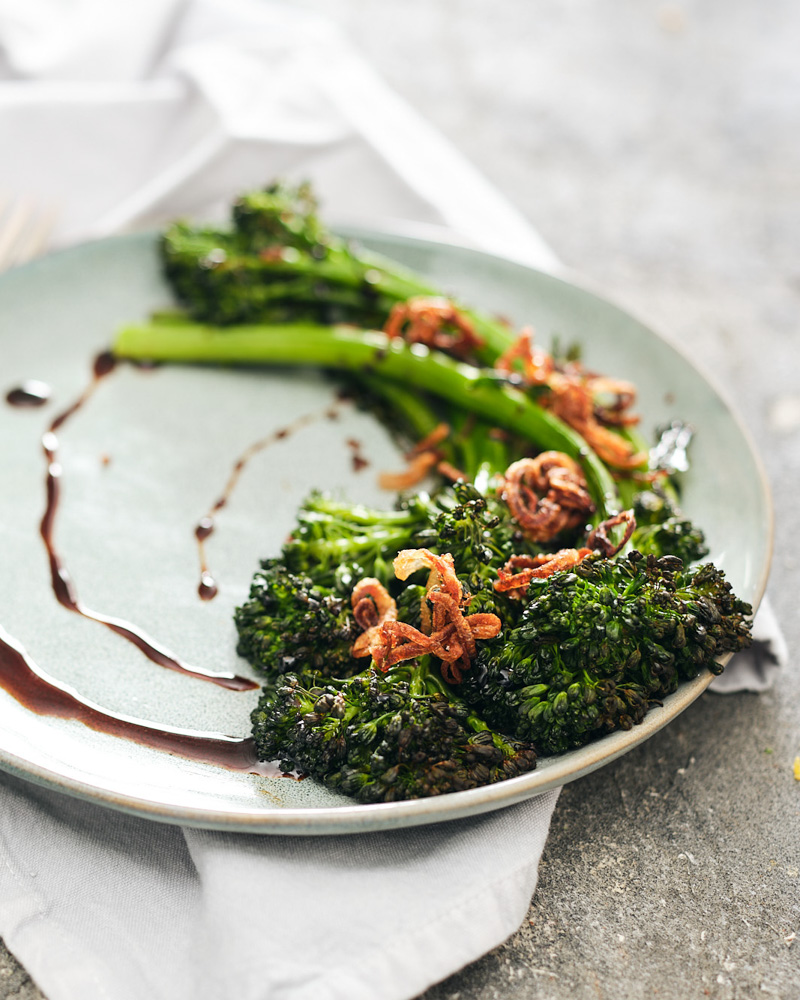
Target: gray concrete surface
column 657, row 147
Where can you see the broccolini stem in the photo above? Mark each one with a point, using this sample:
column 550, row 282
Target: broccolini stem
column 470, row 447
column 348, row 349
column 358, row 544
column 496, row 460
column 475, row 723
column 419, row 682
column 467, row 449
column 420, row 418
column 359, row 514
column 390, row 282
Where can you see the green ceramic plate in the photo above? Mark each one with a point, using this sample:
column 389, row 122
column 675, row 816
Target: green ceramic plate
column 145, row 457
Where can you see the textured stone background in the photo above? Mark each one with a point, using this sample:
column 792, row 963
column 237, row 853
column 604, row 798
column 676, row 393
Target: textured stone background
column 656, row 146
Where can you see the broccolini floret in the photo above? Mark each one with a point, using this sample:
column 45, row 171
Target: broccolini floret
column 597, row 646
column 290, row 624
column 385, row 737
column 280, row 215
column 476, row 528
column 276, row 263
column 661, row 529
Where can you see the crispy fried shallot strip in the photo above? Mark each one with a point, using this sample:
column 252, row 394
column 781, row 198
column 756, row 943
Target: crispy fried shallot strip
column 446, row 633
column 624, row 394
column 439, row 433
column 373, row 605
column 572, row 397
column 450, row 472
column 537, row 365
column 416, row 470
column 571, row 400
column 434, row 322
column 421, row 460
column 514, row 578
column 599, row 541
column 442, row 574
column 546, row 495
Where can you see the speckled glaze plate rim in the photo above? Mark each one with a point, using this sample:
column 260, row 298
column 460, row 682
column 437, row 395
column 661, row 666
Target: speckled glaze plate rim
column 551, row 773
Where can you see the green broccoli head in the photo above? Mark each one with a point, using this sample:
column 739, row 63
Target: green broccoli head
column 465, row 526
column 290, row 624
column 280, row 215
column 661, row 529
column 597, row 645
column 372, row 738
column 572, row 708
column 298, row 724
column 476, row 529
column 336, row 544
column 197, row 263
column 276, row 264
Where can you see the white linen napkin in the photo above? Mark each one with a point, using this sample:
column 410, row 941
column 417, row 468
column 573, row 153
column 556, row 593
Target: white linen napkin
column 125, row 116
column 100, row 905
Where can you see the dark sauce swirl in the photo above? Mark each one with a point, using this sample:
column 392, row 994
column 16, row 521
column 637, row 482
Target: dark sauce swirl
column 207, row 588
column 61, row 581
column 31, row 393
column 23, row 680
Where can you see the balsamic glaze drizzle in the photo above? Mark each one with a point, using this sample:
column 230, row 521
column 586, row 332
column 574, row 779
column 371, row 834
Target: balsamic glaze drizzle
column 21, row 678
column 61, row 581
column 30, row 393
column 357, row 458
column 207, row 588
column 24, row 681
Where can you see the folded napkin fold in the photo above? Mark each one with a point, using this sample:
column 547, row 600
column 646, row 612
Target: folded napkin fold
column 755, row 669
column 101, row 905
column 124, row 117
